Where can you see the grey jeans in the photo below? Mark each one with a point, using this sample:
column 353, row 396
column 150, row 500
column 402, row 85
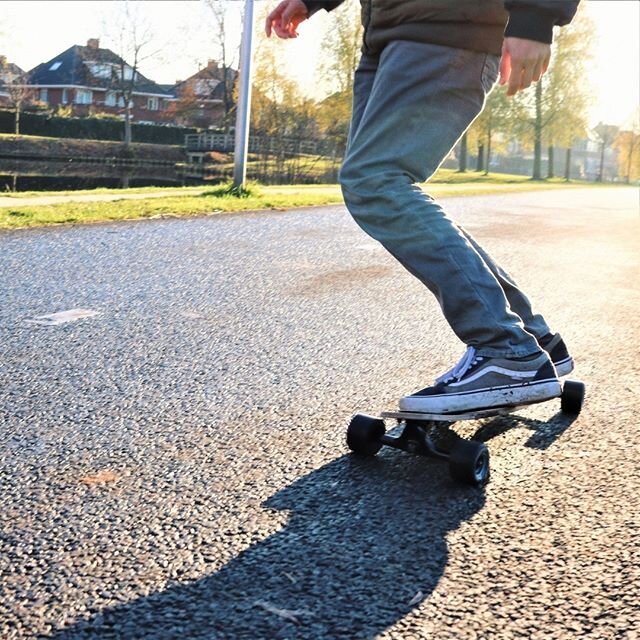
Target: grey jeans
column 411, row 104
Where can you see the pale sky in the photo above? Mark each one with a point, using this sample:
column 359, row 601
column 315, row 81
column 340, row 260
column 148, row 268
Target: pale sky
column 37, row 30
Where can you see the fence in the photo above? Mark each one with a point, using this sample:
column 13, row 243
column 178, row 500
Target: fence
column 259, row 144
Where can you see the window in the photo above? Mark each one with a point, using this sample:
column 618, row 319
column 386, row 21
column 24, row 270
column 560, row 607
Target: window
column 84, row 96
column 127, row 74
column 65, row 96
column 153, row 104
column 55, row 66
column 100, row 70
column 110, row 99
column 43, row 95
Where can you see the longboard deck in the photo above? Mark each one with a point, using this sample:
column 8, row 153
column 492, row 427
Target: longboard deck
column 451, row 417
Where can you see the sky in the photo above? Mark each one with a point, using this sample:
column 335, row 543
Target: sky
column 34, row 31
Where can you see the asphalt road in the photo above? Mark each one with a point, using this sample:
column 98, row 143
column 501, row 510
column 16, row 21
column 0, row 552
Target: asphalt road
column 175, row 466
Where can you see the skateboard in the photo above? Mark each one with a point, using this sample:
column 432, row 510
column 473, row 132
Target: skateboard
column 416, row 433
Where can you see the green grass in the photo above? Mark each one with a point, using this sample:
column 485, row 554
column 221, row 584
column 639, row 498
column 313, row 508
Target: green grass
column 101, row 191
column 219, row 200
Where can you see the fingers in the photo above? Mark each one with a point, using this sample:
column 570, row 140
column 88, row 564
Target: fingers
column 505, row 66
column 538, row 71
column 285, row 18
column 514, row 81
column 289, row 21
column 272, row 18
column 275, row 21
column 523, row 62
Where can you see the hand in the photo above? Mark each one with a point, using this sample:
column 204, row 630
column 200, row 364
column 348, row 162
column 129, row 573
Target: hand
column 523, row 62
column 285, row 18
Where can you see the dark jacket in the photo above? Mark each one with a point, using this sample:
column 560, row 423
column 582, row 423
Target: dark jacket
column 478, row 25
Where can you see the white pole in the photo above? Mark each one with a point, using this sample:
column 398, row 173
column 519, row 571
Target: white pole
column 244, row 99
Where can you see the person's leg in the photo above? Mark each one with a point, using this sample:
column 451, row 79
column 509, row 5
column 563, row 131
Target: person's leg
column 518, row 301
column 421, row 99
column 363, row 80
column 534, row 323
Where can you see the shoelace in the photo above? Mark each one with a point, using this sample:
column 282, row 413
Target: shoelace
column 468, row 359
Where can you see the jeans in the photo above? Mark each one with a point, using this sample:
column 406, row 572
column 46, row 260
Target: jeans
column 411, row 104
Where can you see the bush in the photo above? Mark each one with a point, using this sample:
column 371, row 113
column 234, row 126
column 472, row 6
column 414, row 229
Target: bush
column 93, row 128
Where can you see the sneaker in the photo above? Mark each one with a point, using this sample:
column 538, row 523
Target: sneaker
column 554, row 345
column 479, row 382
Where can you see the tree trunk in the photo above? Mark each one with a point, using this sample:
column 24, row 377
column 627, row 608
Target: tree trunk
column 537, row 135
column 551, row 162
column 488, row 158
column 127, row 126
column 480, row 162
column 17, row 119
column 632, row 145
column 567, row 165
column 601, row 170
column 462, row 160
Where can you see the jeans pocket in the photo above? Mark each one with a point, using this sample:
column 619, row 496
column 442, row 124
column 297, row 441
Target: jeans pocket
column 490, row 71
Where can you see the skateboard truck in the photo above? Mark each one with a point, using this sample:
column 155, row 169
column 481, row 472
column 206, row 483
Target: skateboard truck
column 468, row 459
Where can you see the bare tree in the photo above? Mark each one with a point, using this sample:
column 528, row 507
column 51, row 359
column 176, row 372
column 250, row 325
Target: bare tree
column 560, row 101
column 500, row 122
column 342, row 44
column 13, row 82
column 227, row 56
column 132, row 34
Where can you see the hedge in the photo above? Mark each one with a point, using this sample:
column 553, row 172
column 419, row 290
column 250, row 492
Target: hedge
column 90, row 128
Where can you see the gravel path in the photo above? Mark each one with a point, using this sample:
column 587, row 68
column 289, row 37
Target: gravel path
column 174, row 465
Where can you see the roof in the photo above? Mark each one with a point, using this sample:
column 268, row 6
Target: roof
column 212, row 75
column 79, row 66
column 8, row 71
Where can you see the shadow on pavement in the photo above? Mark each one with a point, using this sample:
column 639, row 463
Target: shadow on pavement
column 363, row 538
column 545, row 432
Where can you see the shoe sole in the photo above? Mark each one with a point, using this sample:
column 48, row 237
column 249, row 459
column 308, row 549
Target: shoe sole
column 483, row 398
column 564, row 367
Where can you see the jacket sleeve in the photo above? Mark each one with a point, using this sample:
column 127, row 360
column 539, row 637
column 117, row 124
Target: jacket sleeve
column 535, row 19
column 315, row 5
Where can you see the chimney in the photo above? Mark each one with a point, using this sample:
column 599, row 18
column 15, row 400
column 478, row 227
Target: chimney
column 93, row 43
column 212, row 64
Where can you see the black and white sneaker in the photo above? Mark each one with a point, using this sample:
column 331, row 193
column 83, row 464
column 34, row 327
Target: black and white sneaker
column 554, row 345
column 479, row 382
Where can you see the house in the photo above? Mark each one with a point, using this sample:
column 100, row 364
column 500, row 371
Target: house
column 205, row 99
column 89, row 80
column 10, row 74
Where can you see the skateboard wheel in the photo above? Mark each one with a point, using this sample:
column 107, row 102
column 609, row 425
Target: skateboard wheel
column 572, row 397
column 469, row 462
column 364, row 434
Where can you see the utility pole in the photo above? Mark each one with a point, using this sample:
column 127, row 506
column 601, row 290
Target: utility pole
column 244, row 99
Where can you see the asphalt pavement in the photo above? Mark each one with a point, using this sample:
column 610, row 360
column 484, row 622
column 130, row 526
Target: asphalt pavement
column 173, row 461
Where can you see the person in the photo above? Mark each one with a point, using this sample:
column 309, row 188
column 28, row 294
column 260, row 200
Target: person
column 423, row 77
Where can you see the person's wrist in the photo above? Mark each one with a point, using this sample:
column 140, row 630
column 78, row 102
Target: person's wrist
column 312, row 6
column 530, row 24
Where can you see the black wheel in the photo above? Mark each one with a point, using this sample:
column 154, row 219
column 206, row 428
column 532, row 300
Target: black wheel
column 364, row 433
column 572, row 397
column 469, row 462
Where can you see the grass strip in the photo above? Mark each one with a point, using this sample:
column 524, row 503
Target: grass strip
column 220, row 200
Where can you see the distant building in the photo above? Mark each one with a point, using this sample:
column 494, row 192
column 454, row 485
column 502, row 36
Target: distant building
column 203, row 99
column 86, row 79
column 9, row 74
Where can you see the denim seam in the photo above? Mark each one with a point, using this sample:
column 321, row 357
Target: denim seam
column 518, row 352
